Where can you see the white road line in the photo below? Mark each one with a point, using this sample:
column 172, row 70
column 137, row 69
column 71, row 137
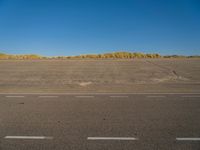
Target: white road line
column 189, row 96
column 116, row 96
column 101, row 93
column 48, row 96
column 113, row 138
column 10, row 96
column 29, row 137
column 188, row 139
column 156, row 96
column 84, row 96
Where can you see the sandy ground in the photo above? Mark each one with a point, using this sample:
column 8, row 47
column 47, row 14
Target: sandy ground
column 64, row 76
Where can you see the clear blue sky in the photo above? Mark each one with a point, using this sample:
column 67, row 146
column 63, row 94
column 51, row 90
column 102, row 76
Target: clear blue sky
column 71, row 27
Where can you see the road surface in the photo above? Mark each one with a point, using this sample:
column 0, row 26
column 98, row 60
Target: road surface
column 123, row 121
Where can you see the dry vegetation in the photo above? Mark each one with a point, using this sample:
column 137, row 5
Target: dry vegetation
column 115, row 55
column 31, row 56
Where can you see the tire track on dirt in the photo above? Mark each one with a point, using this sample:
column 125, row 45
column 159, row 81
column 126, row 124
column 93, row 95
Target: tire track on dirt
column 166, row 70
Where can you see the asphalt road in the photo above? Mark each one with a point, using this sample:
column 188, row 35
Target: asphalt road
column 125, row 121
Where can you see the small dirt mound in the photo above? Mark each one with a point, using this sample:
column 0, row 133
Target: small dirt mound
column 85, row 83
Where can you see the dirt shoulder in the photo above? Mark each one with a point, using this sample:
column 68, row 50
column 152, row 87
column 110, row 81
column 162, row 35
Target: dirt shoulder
column 63, row 76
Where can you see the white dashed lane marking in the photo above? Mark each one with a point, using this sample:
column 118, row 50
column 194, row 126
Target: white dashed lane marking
column 29, row 137
column 191, row 96
column 9, row 96
column 113, row 138
column 48, row 96
column 116, row 96
column 161, row 96
column 84, row 96
column 101, row 93
column 188, row 139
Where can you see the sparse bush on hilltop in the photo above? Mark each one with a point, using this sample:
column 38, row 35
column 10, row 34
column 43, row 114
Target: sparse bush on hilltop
column 119, row 55
column 114, row 55
column 175, row 56
column 195, row 56
column 30, row 56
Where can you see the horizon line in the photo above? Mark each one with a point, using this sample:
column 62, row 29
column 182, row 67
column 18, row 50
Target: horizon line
column 131, row 52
